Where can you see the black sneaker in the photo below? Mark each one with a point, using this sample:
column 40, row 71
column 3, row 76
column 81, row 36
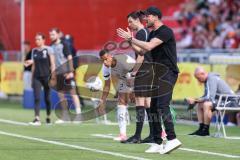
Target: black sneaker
column 148, row 139
column 131, row 140
column 195, row 133
column 203, row 133
column 48, row 121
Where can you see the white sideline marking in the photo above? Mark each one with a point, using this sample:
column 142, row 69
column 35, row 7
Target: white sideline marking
column 183, row 149
column 103, row 136
column 13, row 122
column 210, row 153
column 71, row 146
column 66, row 123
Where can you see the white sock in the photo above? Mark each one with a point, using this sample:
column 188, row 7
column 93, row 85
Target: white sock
column 122, row 119
column 127, row 117
column 78, row 110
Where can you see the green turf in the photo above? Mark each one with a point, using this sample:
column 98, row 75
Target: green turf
column 80, row 134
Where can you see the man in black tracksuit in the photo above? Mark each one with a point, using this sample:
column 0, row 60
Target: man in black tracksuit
column 161, row 43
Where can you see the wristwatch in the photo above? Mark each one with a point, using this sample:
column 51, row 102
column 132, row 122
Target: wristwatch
column 130, row 39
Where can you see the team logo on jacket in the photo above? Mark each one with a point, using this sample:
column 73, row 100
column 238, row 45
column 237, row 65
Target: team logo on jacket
column 44, row 54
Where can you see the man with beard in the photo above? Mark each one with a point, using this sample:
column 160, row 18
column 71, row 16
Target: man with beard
column 64, row 75
column 162, row 45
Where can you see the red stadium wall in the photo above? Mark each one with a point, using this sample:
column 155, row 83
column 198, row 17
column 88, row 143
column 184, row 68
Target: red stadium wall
column 91, row 22
column 10, row 24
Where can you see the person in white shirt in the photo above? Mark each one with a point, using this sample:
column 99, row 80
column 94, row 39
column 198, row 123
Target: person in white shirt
column 118, row 66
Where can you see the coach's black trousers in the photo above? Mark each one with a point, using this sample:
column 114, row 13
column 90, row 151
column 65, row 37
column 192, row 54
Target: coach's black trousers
column 160, row 110
column 37, row 85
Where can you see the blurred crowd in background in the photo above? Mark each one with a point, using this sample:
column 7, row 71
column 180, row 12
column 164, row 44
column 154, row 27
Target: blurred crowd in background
column 209, row 24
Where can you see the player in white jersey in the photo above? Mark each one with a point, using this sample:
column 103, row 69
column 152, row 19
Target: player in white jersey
column 118, row 66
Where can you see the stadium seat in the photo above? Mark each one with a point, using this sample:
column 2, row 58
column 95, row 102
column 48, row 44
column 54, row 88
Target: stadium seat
column 221, row 108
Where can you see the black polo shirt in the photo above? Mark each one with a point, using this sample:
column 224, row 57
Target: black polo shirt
column 142, row 35
column 165, row 53
column 41, row 58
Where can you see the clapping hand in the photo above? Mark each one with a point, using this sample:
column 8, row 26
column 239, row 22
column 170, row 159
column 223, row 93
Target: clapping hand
column 124, row 34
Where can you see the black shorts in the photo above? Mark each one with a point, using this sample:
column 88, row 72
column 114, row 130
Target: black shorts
column 143, row 80
column 64, row 84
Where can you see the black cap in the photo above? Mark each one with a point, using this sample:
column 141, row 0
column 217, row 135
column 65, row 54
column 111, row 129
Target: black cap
column 153, row 11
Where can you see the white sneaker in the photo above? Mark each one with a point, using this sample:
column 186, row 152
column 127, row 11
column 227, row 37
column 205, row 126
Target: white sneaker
column 155, row 148
column 35, row 122
column 170, row 146
column 59, row 121
column 230, row 124
column 121, row 137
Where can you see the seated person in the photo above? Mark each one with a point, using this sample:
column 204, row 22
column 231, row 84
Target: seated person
column 213, row 85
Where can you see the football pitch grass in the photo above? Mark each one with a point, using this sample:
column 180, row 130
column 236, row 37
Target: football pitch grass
column 77, row 141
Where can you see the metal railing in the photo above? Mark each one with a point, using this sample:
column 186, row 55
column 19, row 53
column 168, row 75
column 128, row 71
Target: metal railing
column 209, row 56
column 205, row 56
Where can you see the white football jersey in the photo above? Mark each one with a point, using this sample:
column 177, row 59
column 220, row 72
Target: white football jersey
column 125, row 64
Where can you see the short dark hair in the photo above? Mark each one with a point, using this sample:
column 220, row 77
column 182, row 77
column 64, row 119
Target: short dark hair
column 55, row 29
column 136, row 15
column 152, row 10
column 103, row 52
column 41, row 34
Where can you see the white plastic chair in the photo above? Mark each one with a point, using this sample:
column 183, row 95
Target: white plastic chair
column 221, row 108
